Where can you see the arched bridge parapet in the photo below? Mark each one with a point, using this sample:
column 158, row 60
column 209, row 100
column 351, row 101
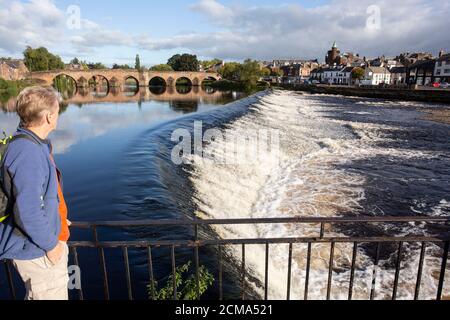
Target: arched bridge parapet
column 117, row 77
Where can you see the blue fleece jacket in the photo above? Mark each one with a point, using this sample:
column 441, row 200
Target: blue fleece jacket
column 34, row 223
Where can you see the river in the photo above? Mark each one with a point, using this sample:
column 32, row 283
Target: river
column 337, row 156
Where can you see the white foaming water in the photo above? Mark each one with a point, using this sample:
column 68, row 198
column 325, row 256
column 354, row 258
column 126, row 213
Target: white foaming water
column 305, row 179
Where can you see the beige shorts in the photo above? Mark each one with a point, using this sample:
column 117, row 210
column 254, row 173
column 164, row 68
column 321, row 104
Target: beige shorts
column 43, row 280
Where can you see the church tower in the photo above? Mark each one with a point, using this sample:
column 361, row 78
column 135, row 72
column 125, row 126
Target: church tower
column 333, row 55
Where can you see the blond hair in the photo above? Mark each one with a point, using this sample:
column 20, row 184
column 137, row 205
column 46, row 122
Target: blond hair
column 33, row 102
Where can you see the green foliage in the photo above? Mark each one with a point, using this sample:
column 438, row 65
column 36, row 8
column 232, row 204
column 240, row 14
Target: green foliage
column 161, row 67
column 41, row 60
column 231, row 71
column 248, row 72
column 358, row 73
column 186, row 289
column 184, row 62
column 96, row 66
column 206, row 64
column 137, row 64
column 121, row 66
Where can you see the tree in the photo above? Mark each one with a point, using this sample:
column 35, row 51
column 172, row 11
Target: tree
column 137, row 65
column 231, row 71
column 121, row 66
column 41, row 60
column 276, row 72
column 185, row 62
column 161, row 67
column 75, row 61
column 96, row 66
column 251, row 72
column 358, row 73
column 265, row 72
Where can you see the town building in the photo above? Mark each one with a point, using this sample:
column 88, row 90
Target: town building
column 337, row 75
column 442, row 68
column 421, row 73
column 12, row 69
column 375, row 76
column 398, row 75
column 298, row 72
column 335, row 58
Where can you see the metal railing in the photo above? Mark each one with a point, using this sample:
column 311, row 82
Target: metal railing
column 443, row 240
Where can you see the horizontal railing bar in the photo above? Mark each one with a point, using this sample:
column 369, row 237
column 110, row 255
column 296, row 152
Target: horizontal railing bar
column 202, row 243
column 302, row 220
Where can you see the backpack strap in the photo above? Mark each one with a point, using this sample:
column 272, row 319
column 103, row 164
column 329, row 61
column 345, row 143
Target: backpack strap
column 23, row 136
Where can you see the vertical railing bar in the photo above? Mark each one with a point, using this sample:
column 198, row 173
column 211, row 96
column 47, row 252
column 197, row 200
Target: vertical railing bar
column 266, row 280
column 308, row 269
column 443, row 267
column 174, row 274
column 102, row 264
column 196, row 232
column 150, row 273
column 397, row 270
column 375, row 271
column 352, row 272
column 330, row 271
column 289, row 273
column 197, row 271
column 75, row 260
column 12, row 289
column 243, row 272
column 127, row 273
column 220, row 274
column 322, row 230
column 420, row 271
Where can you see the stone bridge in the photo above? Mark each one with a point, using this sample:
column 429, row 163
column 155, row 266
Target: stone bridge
column 118, row 77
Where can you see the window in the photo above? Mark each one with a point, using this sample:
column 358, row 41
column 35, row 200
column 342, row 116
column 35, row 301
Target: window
column 447, row 71
column 438, row 72
column 440, row 64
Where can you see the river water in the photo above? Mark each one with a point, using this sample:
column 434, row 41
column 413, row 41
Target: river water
column 336, row 156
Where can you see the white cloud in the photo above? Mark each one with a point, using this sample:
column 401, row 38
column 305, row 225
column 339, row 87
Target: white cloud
column 261, row 32
column 35, row 23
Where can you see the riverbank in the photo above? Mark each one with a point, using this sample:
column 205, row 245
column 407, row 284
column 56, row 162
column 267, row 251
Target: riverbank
column 433, row 96
column 238, row 86
column 9, row 89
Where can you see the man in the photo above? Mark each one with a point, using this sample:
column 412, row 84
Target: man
column 35, row 233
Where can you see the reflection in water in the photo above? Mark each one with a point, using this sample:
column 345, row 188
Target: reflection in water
column 184, row 106
column 89, row 113
column 188, row 95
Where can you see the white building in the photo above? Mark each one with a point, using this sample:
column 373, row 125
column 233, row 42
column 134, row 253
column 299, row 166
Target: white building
column 338, row 76
column 442, row 69
column 376, row 75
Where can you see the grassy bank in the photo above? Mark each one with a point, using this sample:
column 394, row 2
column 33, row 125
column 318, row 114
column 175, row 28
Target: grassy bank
column 238, row 86
column 9, row 89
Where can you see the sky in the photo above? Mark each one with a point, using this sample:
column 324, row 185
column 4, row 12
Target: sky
column 115, row 31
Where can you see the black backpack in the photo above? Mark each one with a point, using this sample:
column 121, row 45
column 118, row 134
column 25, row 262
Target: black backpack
column 4, row 143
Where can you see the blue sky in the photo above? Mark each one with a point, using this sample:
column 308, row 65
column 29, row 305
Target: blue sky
column 113, row 32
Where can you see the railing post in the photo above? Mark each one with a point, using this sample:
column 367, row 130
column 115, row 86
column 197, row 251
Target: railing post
column 102, row 264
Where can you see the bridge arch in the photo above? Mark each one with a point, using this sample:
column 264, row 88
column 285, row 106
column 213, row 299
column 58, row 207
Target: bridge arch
column 129, row 79
column 184, row 81
column 65, row 84
column 208, row 79
column 157, row 82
